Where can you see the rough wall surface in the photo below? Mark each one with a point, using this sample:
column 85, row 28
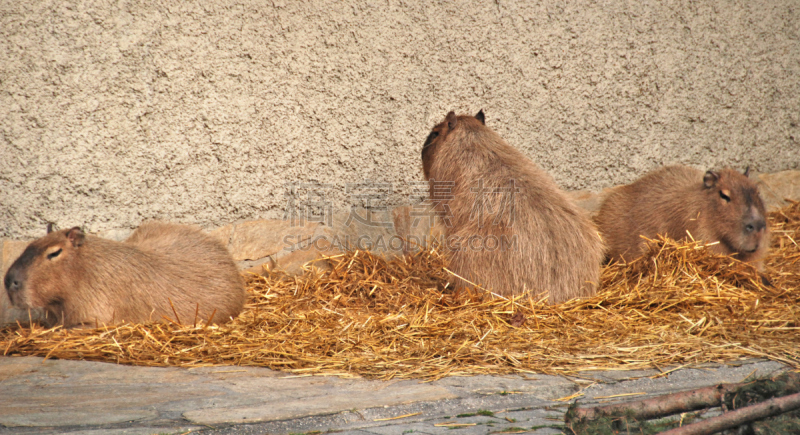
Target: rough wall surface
column 200, row 112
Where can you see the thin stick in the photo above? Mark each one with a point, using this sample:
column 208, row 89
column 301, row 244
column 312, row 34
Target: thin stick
column 647, row 409
column 210, row 318
column 732, row 419
column 173, row 310
column 397, row 418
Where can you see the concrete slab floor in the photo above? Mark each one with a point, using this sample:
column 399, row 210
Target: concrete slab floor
column 81, row 397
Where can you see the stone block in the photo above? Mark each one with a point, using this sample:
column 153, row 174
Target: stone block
column 779, row 187
column 293, row 259
column 223, row 234
column 417, row 225
column 293, row 263
column 389, row 233
column 12, row 249
column 365, row 230
column 587, row 199
column 253, row 240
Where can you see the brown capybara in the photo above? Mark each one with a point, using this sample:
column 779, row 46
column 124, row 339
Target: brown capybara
column 508, row 227
column 86, row 280
column 722, row 207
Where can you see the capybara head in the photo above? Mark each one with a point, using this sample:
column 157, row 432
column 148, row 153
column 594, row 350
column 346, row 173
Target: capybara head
column 737, row 211
column 46, row 268
column 439, row 135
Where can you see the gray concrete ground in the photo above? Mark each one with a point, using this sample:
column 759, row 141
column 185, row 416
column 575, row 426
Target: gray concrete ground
column 80, row 397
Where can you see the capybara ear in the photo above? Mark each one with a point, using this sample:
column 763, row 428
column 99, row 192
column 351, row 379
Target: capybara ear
column 710, row 179
column 747, row 171
column 76, row 236
column 480, row 117
column 451, row 120
column 49, row 227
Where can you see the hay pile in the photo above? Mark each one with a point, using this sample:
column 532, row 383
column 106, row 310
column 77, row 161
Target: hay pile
column 677, row 305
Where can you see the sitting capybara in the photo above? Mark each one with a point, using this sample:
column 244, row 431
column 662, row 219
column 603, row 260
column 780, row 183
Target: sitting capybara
column 508, row 227
column 86, row 280
column 722, row 207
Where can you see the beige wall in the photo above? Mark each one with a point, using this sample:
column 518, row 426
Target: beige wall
column 116, row 112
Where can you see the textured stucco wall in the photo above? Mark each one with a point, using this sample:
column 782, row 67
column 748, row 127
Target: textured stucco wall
column 116, row 112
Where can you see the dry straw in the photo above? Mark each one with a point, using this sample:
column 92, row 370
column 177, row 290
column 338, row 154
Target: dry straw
column 677, row 305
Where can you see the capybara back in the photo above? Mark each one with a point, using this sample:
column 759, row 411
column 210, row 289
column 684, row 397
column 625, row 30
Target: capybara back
column 508, row 227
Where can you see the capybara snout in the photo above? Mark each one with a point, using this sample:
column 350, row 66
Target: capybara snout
column 162, row 270
column 754, row 225
column 13, row 284
column 30, row 281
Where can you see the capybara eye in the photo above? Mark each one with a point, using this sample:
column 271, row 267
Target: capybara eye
column 54, row 254
column 724, row 196
column 434, row 135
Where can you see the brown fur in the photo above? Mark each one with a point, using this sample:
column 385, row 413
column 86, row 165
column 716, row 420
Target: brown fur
column 557, row 251
column 81, row 279
column 676, row 199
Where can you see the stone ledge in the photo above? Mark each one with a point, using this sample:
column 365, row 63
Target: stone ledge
column 273, row 244
column 266, row 244
column 779, row 187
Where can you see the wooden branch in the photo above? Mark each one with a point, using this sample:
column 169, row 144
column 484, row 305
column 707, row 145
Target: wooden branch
column 732, row 419
column 655, row 407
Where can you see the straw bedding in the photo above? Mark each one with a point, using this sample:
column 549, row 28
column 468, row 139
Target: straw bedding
column 677, row 305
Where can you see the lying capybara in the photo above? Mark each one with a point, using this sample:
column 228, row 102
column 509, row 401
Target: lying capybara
column 722, row 207
column 508, row 227
column 86, row 280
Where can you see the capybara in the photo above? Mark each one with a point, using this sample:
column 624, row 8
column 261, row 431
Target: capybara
column 508, row 227
column 723, row 207
column 83, row 280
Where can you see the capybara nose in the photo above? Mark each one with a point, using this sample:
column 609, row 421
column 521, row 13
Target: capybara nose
column 12, row 283
column 754, row 226
column 753, row 221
